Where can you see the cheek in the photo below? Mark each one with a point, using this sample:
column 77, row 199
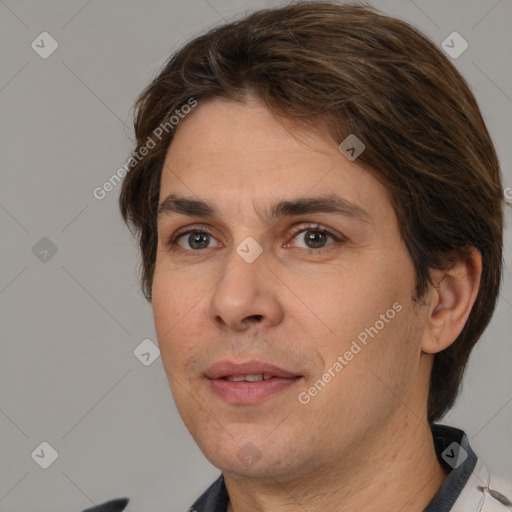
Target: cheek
column 370, row 305
column 391, row 359
column 179, row 313
column 373, row 384
column 349, row 302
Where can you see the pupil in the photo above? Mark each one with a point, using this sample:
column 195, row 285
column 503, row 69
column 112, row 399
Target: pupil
column 198, row 240
column 315, row 239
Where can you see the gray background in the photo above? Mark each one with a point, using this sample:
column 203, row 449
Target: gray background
column 70, row 323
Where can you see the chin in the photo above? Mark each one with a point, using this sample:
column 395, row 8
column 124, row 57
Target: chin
column 256, row 456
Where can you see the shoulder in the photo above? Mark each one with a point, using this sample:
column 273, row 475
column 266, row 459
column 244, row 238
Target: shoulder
column 214, row 499
column 117, row 505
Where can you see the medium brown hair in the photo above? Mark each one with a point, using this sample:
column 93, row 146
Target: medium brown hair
column 356, row 71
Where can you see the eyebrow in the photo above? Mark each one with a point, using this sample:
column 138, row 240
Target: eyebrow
column 292, row 207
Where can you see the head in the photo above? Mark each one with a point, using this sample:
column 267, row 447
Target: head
column 413, row 260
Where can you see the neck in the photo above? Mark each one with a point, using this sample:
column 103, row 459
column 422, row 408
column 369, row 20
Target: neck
column 393, row 469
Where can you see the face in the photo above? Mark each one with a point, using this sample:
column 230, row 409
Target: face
column 286, row 262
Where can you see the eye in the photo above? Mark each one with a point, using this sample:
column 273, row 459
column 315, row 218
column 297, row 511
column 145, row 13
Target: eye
column 314, row 237
column 309, row 237
column 195, row 239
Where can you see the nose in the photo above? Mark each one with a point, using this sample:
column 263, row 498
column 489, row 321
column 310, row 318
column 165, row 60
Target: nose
column 246, row 295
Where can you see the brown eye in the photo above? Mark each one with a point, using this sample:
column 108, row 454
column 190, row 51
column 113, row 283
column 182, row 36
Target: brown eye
column 315, row 239
column 198, row 240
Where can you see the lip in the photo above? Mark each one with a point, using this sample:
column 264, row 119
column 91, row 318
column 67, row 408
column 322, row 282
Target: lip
column 247, row 393
column 228, row 368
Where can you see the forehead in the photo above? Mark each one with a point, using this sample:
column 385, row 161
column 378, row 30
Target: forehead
column 243, row 154
column 223, row 134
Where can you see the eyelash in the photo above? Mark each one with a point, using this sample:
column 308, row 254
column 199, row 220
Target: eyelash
column 301, row 229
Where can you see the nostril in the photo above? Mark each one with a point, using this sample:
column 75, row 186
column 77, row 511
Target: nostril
column 255, row 317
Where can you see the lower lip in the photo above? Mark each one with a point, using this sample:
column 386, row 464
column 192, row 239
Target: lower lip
column 243, row 393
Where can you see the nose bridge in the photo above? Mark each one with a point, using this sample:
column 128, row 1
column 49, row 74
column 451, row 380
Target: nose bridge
column 242, row 274
column 245, row 289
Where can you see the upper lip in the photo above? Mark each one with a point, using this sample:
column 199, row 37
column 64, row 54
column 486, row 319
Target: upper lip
column 229, row 369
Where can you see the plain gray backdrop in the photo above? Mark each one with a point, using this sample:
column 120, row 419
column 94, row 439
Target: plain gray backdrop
column 72, row 314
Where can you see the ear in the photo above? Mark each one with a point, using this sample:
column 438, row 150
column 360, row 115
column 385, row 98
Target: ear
column 451, row 299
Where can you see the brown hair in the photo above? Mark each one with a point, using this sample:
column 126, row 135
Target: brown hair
column 356, row 71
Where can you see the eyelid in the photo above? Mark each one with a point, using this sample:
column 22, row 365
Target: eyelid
column 191, row 229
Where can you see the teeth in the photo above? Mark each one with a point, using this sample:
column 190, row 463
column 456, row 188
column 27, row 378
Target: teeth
column 250, row 378
column 236, row 379
column 254, row 378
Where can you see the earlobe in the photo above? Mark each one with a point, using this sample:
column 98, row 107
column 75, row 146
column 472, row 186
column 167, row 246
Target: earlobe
column 451, row 299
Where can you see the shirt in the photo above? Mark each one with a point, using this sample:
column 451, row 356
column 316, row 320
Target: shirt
column 469, row 486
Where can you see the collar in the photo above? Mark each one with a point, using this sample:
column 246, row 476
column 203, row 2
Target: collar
column 455, row 455
column 468, row 481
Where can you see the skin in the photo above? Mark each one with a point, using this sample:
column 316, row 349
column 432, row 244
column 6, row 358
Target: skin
column 363, row 440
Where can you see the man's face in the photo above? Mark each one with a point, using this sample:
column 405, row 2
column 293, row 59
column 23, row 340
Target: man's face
column 328, row 287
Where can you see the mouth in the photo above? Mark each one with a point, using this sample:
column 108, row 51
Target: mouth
column 250, row 382
column 257, row 377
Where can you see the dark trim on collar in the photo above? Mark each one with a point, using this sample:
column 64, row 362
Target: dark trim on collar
column 458, row 477
column 216, row 499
